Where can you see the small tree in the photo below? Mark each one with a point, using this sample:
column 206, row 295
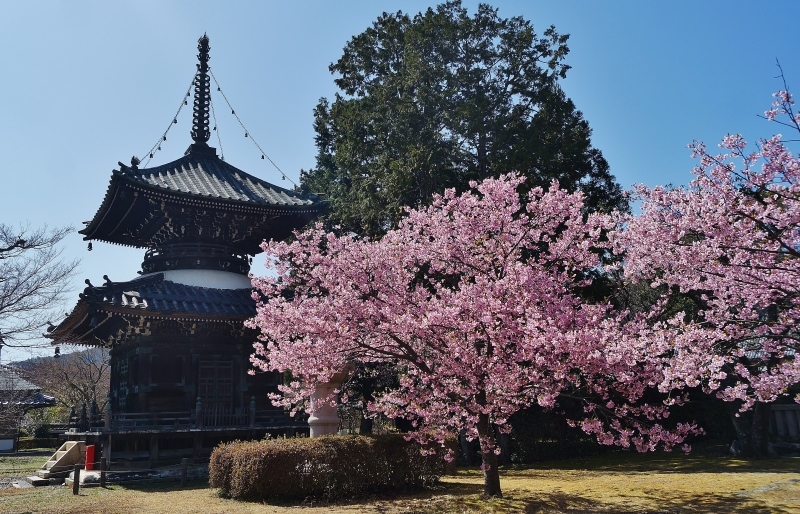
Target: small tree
column 33, row 278
column 731, row 241
column 477, row 301
column 75, row 378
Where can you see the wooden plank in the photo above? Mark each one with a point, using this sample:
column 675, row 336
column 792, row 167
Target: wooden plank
column 785, row 421
column 781, row 428
column 793, row 423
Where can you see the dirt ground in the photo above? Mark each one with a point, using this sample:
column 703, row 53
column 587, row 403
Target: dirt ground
column 619, row 483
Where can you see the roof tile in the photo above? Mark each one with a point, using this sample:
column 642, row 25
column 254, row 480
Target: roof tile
column 204, row 174
column 151, row 293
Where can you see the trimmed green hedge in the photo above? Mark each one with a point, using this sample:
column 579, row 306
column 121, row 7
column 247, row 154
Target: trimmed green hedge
column 29, row 443
column 329, row 467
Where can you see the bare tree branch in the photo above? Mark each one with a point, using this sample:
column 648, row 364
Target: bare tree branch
column 33, row 280
column 75, row 378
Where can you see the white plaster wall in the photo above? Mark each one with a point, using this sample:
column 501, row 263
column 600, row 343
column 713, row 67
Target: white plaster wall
column 208, row 278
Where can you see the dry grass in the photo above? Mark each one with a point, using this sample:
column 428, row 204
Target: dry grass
column 23, row 463
column 618, row 483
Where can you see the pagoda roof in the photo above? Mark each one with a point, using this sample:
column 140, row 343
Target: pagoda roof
column 101, row 309
column 204, row 175
column 152, row 294
column 201, row 179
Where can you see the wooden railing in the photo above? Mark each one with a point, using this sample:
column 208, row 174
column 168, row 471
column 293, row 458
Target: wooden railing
column 221, row 417
column 152, row 421
column 211, row 417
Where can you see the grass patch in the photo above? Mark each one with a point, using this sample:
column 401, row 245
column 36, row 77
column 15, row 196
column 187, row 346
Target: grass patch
column 14, row 465
column 613, row 483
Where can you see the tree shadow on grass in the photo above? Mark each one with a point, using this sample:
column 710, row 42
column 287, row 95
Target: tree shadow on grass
column 467, row 498
column 613, row 497
column 160, row 485
column 560, row 503
column 663, row 462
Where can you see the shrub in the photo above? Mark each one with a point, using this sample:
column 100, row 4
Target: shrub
column 42, row 431
column 328, row 467
column 30, row 443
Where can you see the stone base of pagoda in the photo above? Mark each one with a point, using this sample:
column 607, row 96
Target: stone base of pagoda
column 147, row 449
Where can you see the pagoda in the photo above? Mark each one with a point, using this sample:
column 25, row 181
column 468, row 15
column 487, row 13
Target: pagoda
column 179, row 349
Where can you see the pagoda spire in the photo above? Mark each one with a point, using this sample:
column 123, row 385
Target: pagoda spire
column 202, row 94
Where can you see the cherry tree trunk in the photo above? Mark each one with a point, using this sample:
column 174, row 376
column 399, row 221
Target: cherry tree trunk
column 491, row 473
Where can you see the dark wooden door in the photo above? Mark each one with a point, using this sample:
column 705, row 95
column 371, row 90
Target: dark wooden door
column 215, row 389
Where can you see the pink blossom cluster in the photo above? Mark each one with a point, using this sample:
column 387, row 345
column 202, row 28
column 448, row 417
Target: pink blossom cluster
column 477, row 298
column 782, row 104
column 732, row 238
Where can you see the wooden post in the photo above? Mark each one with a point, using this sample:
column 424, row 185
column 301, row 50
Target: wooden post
column 252, row 411
column 108, row 413
column 153, row 451
column 103, row 472
column 184, row 465
column 199, row 412
column 76, row 479
column 198, row 447
column 107, row 452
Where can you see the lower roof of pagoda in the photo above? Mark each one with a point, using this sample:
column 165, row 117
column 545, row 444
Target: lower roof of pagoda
column 197, row 198
column 102, row 310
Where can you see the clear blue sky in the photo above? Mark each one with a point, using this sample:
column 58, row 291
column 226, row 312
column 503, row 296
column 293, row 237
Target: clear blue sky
column 88, row 83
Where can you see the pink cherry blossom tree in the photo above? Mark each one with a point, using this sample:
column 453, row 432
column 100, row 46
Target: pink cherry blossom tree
column 732, row 241
column 477, row 300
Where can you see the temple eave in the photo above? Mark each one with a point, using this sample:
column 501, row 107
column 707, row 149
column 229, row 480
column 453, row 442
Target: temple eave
column 136, row 215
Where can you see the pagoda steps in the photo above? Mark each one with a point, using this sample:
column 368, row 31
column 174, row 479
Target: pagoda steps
column 63, row 460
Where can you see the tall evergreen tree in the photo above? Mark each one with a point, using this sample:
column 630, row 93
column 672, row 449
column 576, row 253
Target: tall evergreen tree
column 439, row 99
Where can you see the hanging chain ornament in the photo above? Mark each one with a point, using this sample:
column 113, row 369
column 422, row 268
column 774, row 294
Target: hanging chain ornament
column 203, row 110
column 247, row 133
column 216, row 129
column 174, row 121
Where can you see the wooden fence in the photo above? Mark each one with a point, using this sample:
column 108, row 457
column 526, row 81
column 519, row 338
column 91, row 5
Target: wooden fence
column 785, row 422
